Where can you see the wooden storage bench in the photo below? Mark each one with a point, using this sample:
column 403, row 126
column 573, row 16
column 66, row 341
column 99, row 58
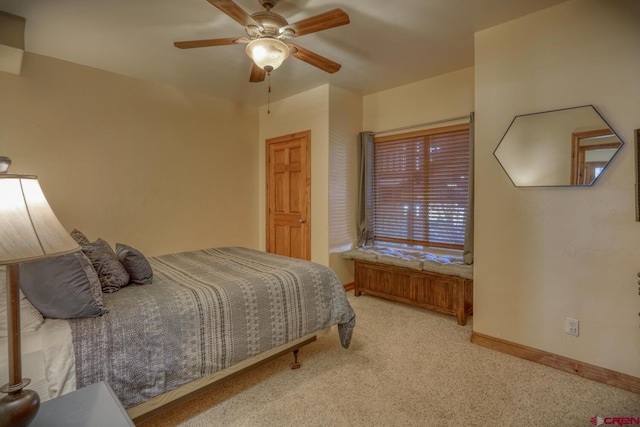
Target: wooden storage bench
column 443, row 293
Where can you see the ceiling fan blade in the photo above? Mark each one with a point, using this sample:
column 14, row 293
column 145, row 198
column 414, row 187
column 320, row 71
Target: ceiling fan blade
column 314, row 59
column 188, row 44
column 234, row 11
column 257, row 74
column 323, row 21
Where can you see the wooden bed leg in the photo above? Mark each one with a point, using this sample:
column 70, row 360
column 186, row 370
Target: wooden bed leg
column 295, row 364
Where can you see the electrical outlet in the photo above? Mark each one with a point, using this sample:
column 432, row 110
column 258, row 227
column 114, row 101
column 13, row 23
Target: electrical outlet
column 572, row 326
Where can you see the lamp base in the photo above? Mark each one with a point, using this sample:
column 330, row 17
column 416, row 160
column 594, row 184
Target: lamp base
column 19, row 408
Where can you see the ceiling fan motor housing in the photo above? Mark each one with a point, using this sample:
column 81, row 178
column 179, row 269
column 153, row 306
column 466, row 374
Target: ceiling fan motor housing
column 270, row 23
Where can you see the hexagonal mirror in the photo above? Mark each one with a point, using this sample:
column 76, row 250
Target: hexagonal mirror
column 567, row 147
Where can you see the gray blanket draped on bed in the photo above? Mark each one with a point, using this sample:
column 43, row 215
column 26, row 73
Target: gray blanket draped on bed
column 205, row 311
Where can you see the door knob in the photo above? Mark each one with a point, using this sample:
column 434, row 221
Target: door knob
column 302, row 220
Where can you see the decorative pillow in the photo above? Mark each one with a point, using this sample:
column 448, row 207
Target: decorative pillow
column 30, row 318
column 111, row 273
column 79, row 237
column 135, row 263
column 64, row 287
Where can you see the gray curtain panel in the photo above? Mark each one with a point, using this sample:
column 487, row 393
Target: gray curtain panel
column 365, row 188
column 468, row 237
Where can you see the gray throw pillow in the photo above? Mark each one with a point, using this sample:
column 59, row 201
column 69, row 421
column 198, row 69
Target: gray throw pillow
column 79, row 237
column 135, row 263
column 111, row 273
column 64, row 287
column 30, row 318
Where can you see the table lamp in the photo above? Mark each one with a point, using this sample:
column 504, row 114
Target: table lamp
column 29, row 230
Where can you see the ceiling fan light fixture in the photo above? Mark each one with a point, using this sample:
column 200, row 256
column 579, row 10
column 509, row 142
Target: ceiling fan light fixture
column 267, row 53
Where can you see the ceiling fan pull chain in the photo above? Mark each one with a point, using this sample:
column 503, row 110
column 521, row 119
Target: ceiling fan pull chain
column 269, row 93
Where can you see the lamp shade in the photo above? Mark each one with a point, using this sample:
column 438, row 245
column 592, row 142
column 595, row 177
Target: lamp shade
column 267, row 53
column 29, row 229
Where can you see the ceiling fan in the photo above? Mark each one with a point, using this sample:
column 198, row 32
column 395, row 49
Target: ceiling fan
column 267, row 32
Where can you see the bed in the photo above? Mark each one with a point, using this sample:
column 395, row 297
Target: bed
column 207, row 313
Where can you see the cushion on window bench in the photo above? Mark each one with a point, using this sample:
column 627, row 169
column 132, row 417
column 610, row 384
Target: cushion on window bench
column 450, row 265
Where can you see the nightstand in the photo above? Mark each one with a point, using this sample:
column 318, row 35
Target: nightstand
column 93, row 406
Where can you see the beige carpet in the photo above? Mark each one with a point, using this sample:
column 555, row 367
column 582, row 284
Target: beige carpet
column 406, row 367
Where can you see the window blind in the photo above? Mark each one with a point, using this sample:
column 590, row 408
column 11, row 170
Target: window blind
column 421, row 187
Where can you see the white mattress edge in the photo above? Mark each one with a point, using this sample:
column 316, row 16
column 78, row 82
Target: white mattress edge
column 58, row 357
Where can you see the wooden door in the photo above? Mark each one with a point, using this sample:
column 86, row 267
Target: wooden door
column 289, row 195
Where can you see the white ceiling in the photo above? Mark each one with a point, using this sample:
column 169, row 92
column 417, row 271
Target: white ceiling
column 387, row 44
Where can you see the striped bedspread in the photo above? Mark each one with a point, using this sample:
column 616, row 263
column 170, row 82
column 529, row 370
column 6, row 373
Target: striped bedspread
column 205, row 311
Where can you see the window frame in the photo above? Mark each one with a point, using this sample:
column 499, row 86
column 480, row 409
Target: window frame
column 426, row 134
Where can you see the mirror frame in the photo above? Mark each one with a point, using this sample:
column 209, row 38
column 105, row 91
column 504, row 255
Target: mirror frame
column 637, row 156
column 573, row 141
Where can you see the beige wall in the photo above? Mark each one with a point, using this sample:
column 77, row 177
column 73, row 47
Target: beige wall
column 345, row 121
column 442, row 97
column 131, row 161
column 544, row 254
column 305, row 111
column 334, row 117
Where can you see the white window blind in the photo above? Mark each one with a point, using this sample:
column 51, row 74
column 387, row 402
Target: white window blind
column 421, row 187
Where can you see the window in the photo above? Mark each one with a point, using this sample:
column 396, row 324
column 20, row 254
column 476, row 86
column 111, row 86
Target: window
column 421, row 187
